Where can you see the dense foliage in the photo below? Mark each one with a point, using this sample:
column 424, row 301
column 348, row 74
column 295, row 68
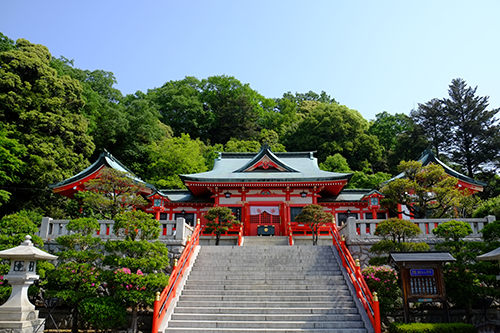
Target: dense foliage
column 55, row 119
column 384, row 280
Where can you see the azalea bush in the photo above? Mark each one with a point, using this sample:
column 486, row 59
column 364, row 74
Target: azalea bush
column 384, row 281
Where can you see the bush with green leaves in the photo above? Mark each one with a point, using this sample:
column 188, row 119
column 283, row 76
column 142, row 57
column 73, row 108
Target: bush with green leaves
column 386, row 246
column 432, row 328
column 453, row 230
column 491, row 232
column 488, row 207
column 103, row 313
column 397, row 230
column 394, row 232
column 384, row 281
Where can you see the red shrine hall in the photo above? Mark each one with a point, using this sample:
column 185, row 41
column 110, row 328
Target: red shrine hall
column 263, row 188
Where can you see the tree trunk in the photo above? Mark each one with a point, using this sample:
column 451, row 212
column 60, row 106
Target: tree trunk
column 74, row 324
column 133, row 325
column 217, row 238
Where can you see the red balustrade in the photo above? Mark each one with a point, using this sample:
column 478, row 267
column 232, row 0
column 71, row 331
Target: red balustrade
column 164, row 299
column 368, row 300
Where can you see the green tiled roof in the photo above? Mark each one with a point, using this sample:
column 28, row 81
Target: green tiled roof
column 428, row 157
column 299, row 167
column 107, row 160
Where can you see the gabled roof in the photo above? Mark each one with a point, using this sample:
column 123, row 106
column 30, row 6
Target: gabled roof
column 71, row 185
column 264, row 161
column 428, row 157
column 243, row 169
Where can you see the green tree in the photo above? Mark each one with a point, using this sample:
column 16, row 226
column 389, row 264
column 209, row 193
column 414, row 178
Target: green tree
column 11, row 164
column 476, row 138
column 488, row 207
column 138, row 261
column 314, row 216
column 435, row 123
column 367, row 180
column 387, row 127
column 220, row 219
column 397, row 230
column 6, row 44
column 181, row 107
column 425, row 191
column 331, row 129
column 113, row 192
column 73, row 283
column 41, row 110
column 242, row 146
column 335, row 163
column 136, row 225
column 491, row 232
column 453, row 230
column 235, row 108
column 395, row 234
column 80, row 246
column 170, row 157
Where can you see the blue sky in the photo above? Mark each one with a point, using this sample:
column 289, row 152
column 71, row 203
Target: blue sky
column 372, row 56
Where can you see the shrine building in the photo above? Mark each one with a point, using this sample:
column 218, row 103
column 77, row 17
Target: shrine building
column 263, row 188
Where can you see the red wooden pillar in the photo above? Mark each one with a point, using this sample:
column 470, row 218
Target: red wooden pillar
column 246, row 223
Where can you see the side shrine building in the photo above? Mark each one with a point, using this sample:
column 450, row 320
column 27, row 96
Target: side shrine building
column 263, row 188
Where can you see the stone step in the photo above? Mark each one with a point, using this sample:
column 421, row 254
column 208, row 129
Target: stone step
column 266, row 330
column 340, row 302
column 276, row 280
column 267, row 310
column 265, row 324
column 242, row 287
column 348, row 317
column 234, row 298
column 266, row 288
column 257, row 293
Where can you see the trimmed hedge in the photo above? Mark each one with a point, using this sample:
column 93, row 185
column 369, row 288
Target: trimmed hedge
column 432, row 328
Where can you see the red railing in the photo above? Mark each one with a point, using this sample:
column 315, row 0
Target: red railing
column 300, row 229
column 369, row 300
column 240, row 235
column 164, row 299
column 290, row 234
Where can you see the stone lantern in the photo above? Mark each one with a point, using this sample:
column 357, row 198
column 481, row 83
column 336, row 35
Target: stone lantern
column 18, row 314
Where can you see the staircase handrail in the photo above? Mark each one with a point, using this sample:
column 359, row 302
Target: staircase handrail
column 367, row 299
column 240, row 235
column 290, row 234
column 164, row 299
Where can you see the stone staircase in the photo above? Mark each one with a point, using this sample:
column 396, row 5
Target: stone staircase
column 267, row 288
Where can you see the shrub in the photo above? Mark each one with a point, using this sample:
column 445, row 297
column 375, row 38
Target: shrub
column 397, row 230
column 453, row 230
column 488, row 207
column 103, row 312
column 384, row 280
column 491, row 232
column 432, row 328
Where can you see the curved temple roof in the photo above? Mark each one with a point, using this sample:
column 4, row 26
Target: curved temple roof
column 266, row 167
column 66, row 187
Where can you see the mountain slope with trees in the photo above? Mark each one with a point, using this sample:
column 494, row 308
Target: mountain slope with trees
column 55, row 119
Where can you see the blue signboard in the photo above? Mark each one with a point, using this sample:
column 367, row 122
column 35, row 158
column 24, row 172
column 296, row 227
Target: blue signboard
column 422, row 272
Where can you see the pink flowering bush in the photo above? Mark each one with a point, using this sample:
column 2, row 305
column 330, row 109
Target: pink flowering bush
column 384, row 280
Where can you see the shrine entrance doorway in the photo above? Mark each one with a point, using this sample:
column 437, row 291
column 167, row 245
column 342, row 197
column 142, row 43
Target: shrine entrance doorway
column 265, row 220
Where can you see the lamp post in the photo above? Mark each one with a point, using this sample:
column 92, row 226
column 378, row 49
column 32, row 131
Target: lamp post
column 18, row 314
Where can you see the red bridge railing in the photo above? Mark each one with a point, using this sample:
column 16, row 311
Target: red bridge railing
column 368, row 300
column 164, row 299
